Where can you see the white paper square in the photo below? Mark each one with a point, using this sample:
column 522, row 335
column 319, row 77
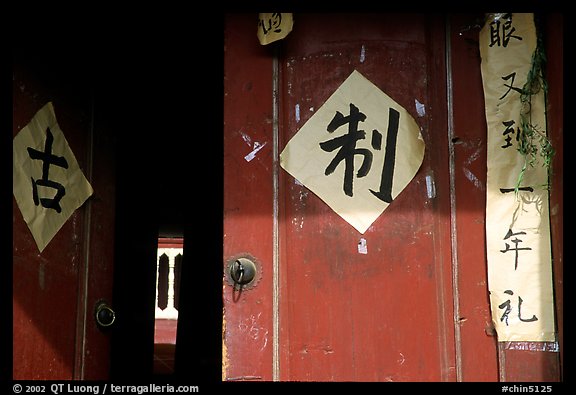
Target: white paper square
column 43, row 164
column 306, row 160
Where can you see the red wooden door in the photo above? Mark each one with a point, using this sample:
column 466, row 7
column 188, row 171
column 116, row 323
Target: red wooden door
column 55, row 291
column 322, row 310
column 415, row 306
column 382, row 315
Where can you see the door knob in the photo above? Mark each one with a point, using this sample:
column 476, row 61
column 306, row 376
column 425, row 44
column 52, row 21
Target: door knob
column 242, row 271
column 104, row 315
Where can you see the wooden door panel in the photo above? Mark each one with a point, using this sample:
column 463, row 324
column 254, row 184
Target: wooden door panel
column 482, row 358
column 248, row 212
column 55, row 336
column 376, row 316
column 555, row 118
column 415, row 307
column 45, row 285
column 93, row 361
column 478, row 347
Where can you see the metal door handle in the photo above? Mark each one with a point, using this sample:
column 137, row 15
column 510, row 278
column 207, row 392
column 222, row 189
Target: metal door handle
column 104, row 315
column 242, row 271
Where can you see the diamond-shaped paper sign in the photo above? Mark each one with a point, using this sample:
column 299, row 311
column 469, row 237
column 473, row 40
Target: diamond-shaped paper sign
column 357, row 152
column 47, row 182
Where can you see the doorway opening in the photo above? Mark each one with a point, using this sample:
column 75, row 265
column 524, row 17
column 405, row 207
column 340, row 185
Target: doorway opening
column 168, row 275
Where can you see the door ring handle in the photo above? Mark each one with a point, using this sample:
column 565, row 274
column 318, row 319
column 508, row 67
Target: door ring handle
column 104, row 315
column 243, row 272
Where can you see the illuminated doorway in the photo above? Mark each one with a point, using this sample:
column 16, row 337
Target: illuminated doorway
column 168, row 269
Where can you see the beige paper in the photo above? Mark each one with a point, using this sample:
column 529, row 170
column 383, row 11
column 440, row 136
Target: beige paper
column 391, row 140
column 47, row 182
column 274, row 26
column 517, row 226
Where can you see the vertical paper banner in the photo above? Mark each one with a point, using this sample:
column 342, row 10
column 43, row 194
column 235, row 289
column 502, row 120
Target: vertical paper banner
column 517, row 222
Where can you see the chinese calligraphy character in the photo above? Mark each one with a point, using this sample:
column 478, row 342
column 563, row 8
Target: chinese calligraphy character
column 507, row 190
column 348, row 150
column 385, row 191
column 507, row 307
column 347, row 145
column 515, row 248
column 511, row 86
column 501, row 37
column 48, row 159
column 273, row 23
column 509, row 129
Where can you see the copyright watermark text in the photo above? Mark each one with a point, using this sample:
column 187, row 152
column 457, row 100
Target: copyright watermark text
column 101, row 388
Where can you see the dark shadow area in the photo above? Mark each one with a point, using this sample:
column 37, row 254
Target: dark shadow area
column 7, row 244
column 168, row 111
column 159, row 89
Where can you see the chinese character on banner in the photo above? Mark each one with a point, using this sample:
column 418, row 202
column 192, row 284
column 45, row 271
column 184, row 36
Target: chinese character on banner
column 273, row 26
column 357, row 152
column 48, row 184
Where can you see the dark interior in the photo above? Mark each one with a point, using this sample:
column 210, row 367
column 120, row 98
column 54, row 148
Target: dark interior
column 160, row 93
